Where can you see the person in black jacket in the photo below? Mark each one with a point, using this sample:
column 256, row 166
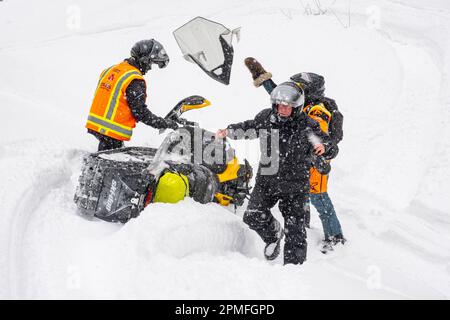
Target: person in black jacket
column 314, row 88
column 143, row 54
column 293, row 143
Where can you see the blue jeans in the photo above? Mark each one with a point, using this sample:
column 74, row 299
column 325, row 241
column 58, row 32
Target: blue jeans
column 327, row 214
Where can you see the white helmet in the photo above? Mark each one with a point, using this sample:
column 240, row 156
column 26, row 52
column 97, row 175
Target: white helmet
column 288, row 93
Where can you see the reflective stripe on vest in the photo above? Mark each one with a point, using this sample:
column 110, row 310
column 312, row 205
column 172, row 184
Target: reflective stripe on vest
column 107, row 125
column 113, row 100
column 103, row 74
column 101, row 78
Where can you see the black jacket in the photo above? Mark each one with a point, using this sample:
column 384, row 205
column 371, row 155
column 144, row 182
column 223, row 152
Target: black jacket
column 295, row 149
column 136, row 94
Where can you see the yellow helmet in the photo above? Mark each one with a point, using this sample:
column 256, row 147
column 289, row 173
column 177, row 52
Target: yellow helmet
column 171, row 188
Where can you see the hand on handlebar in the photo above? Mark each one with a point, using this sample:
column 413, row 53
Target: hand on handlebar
column 172, row 124
column 188, row 123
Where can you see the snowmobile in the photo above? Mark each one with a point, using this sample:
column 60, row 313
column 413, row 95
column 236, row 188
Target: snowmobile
column 116, row 185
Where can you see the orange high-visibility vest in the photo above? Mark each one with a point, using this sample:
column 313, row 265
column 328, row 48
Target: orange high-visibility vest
column 318, row 182
column 110, row 114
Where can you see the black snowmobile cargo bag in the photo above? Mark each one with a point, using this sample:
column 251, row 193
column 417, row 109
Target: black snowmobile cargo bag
column 114, row 184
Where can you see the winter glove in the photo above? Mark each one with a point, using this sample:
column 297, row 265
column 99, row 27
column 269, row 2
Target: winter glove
column 171, row 124
column 259, row 75
column 322, row 165
column 331, row 150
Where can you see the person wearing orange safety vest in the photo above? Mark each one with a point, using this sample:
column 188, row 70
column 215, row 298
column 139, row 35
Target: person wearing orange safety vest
column 324, row 111
column 119, row 100
column 319, row 183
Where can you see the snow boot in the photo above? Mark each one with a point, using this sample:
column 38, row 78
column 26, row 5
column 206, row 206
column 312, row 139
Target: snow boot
column 339, row 238
column 259, row 75
column 272, row 249
column 327, row 246
column 329, row 243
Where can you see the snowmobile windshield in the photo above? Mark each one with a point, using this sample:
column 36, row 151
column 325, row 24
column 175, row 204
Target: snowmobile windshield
column 199, row 38
column 209, row 45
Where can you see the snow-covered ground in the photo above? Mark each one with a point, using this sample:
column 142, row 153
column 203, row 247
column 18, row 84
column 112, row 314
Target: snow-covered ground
column 388, row 71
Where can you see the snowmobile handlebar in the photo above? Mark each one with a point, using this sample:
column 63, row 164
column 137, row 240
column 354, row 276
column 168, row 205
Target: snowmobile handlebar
column 189, row 103
column 185, row 122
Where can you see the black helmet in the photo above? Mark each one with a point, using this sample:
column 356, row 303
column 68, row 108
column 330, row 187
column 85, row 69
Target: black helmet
column 146, row 52
column 288, row 93
column 313, row 84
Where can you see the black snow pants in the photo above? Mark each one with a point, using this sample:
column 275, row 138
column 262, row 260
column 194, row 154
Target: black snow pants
column 105, row 142
column 294, row 209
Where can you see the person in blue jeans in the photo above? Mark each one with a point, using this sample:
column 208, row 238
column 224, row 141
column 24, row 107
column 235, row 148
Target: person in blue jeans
column 325, row 111
column 321, row 201
column 327, row 214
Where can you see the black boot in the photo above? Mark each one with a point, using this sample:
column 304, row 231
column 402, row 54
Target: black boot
column 272, row 249
column 259, row 75
column 329, row 243
column 326, row 246
column 339, row 238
